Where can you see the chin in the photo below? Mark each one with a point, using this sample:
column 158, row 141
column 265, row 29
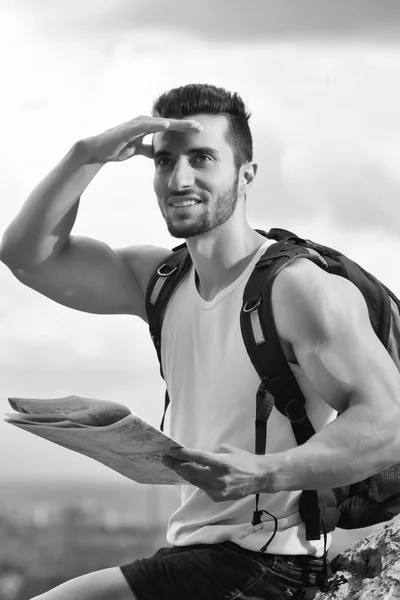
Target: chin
column 188, row 230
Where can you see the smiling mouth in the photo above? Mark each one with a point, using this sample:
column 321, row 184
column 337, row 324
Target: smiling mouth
column 184, row 203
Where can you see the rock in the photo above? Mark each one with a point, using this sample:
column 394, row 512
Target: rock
column 369, row 569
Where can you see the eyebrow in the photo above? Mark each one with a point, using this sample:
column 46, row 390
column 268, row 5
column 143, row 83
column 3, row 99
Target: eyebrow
column 198, row 150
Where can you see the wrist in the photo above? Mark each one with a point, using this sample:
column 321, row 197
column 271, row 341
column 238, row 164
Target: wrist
column 81, row 154
column 269, row 470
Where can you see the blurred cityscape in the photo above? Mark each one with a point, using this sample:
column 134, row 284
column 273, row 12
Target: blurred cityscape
column 53, row 532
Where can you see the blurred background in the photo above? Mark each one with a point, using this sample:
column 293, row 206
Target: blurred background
column 322, row 80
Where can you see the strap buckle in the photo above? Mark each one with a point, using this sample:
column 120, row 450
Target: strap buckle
column 161, row 274
column 255, row 304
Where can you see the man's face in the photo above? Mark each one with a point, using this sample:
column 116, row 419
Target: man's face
column 196, row 170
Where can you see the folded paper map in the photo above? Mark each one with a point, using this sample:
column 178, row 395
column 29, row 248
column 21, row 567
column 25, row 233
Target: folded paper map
column 105, row 431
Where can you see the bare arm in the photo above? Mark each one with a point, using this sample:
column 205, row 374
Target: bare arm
column 326, row 321
column 83, row 273
column 45, row 221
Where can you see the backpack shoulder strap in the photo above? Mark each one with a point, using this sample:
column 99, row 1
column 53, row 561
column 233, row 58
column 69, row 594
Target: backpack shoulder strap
column 277, row 234
column 162, row 284
column 278, row 384
column 257, row 323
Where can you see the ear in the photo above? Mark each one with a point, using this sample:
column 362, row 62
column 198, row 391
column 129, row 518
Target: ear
column 247, row 175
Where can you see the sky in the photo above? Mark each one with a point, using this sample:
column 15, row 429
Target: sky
column 322, row 81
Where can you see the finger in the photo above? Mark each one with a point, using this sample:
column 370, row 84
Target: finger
column 194, row 456
column 184, row 124
column 184, row 466
column 180, row 125
column 171, row 463
column 145, row 150
column 134, row 147
column 145, row 127
column 128, row 151
column 193, row 474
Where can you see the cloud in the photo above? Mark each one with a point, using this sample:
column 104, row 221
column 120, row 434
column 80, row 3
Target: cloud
column 353, row 192
column 269, row 20
column 360, row 194
column 265, row 20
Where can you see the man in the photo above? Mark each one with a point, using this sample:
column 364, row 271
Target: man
column 202, row 150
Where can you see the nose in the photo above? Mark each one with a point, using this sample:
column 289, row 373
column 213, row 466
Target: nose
column 182, row 176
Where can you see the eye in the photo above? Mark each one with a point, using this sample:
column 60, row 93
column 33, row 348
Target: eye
column 163, row 161
column 203, row 158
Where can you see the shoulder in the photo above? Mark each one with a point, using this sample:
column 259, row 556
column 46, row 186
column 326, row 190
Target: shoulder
column 142, row 261
column 308, row 302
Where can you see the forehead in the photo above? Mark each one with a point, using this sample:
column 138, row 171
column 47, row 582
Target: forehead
column 213, row 135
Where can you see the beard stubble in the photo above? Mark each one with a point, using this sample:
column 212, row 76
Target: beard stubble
column 224, row 207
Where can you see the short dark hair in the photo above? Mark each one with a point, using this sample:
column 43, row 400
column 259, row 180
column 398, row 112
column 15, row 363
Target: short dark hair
column 202, row 98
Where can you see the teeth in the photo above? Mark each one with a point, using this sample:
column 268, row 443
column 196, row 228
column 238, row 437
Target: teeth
column 184, row 203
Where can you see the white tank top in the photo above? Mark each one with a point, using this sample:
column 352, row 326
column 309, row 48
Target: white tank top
column 212, row 387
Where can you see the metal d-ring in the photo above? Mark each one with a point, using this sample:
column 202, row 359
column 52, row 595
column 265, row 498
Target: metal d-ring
column 165, row 274
column 246, row 309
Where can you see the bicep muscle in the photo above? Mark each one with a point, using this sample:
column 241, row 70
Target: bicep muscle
column 325, row 319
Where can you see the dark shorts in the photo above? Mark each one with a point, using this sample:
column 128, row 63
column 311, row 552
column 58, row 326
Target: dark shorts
column 221, row 572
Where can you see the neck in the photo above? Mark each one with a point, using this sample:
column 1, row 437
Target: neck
column 220, row 256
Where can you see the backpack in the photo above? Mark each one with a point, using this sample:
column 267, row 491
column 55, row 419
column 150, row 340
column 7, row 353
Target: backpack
column 361, row 504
